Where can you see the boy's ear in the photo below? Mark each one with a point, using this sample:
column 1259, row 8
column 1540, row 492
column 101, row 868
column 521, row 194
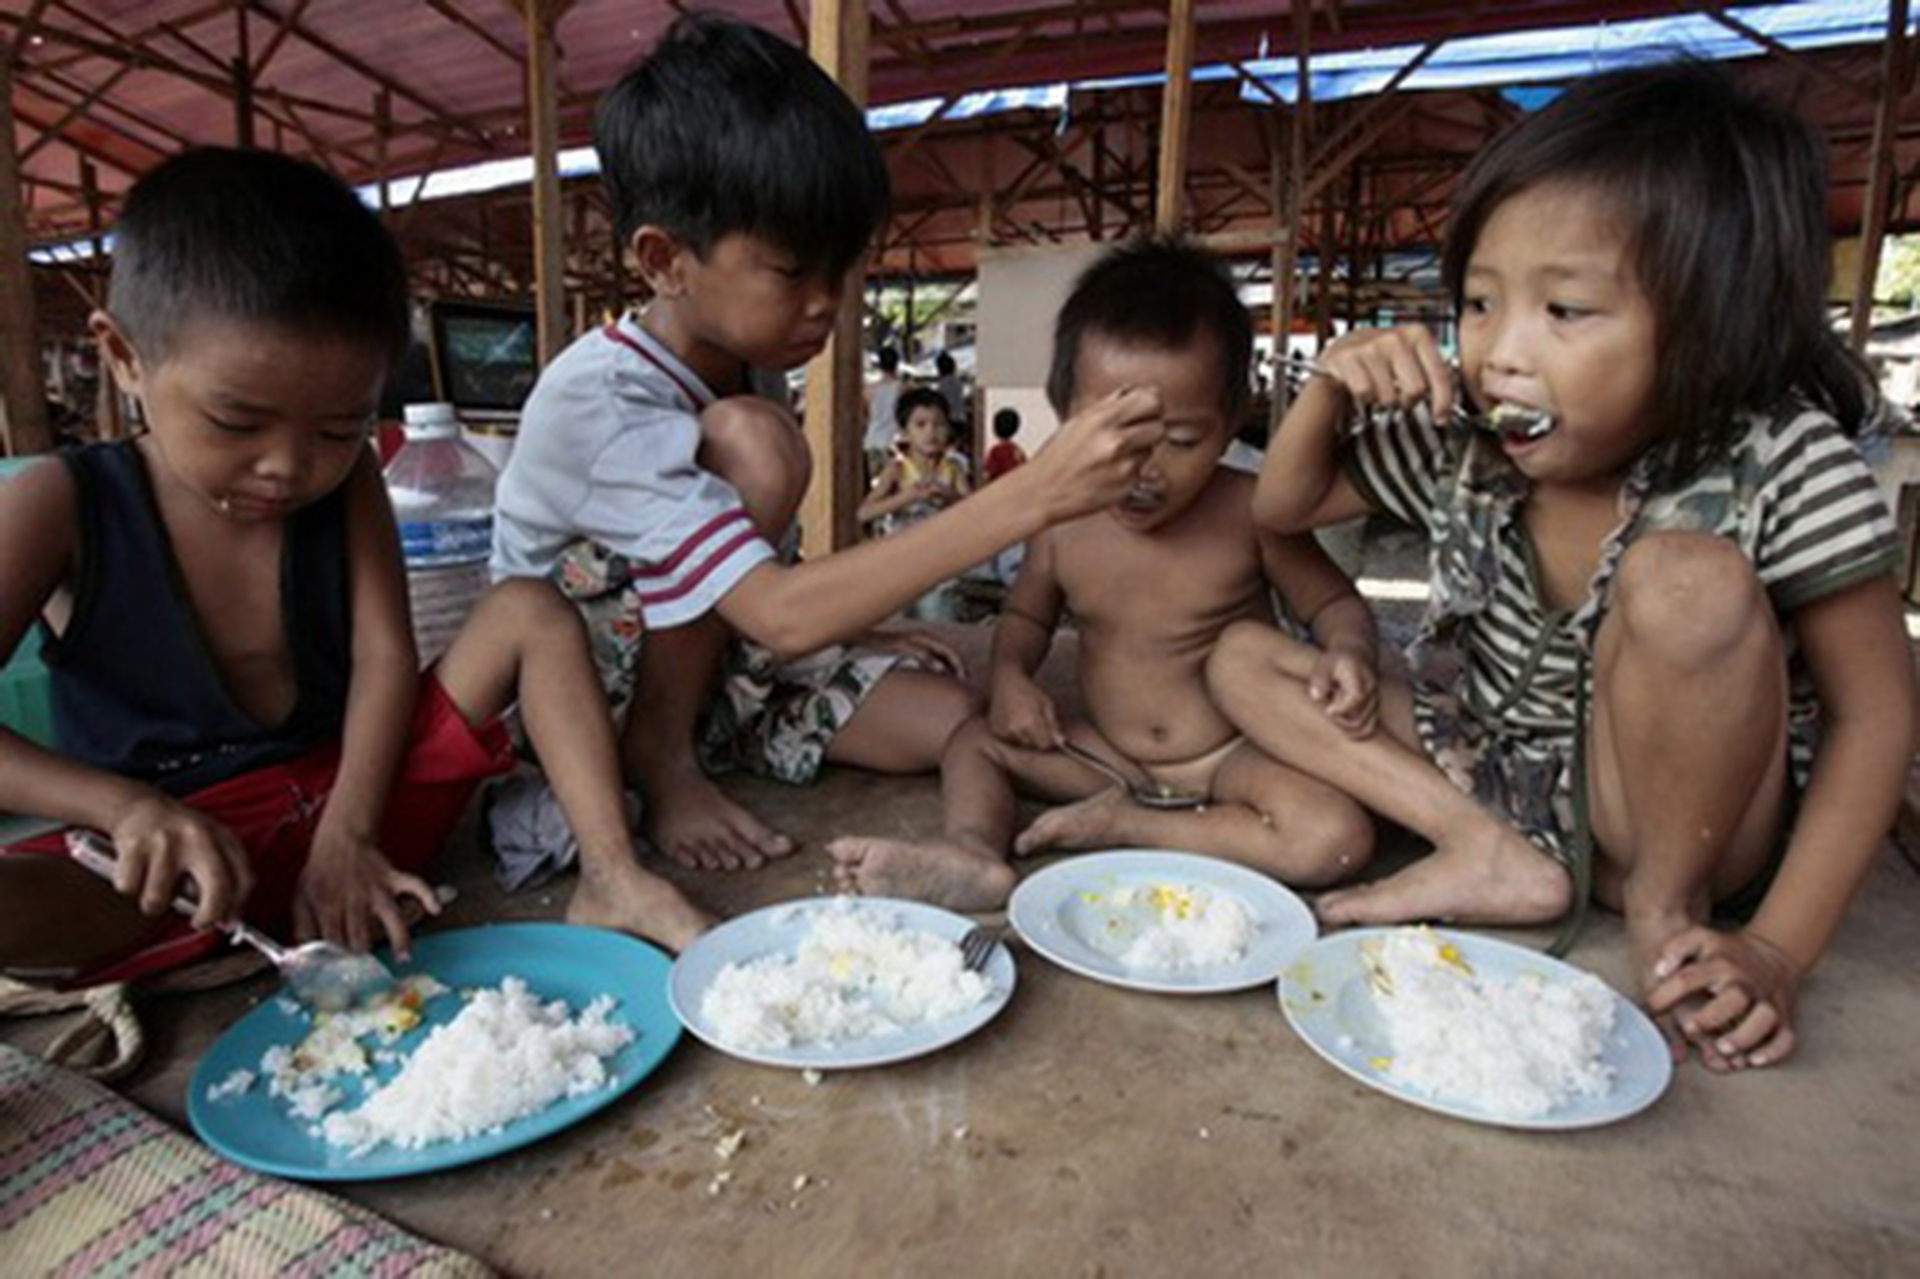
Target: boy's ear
column 116, row 350
column 660, row 258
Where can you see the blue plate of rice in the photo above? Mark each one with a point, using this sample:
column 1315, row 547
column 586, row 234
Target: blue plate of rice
column 586, row 1017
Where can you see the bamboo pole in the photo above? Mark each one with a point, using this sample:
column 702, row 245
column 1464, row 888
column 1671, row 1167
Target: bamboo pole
column 1873, row 216
column 837, row 35
column 1176, row 114
column 23, row 395
column 543, row 128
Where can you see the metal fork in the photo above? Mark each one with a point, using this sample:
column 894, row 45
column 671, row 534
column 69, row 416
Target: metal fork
column 976, row 947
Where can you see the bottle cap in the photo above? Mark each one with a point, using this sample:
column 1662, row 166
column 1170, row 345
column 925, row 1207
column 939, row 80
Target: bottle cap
column 431, row 421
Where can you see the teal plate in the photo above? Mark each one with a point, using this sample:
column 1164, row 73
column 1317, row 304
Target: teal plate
column 557, row 961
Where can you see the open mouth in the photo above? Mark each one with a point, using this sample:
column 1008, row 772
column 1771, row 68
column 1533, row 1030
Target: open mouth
column 1519, row 423
column 1140, row 500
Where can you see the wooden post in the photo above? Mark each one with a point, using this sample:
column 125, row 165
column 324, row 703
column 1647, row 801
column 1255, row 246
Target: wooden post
column 242, row 68
column 1176, row 110
column 837, row 38
column 543, row 129
column 1286, row 259
column 23, row 395
column 1873, row 215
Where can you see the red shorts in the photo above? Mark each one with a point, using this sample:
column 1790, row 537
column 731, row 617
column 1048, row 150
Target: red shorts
column 274, row 811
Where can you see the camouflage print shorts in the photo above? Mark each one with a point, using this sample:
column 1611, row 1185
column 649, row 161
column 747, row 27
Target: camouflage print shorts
column 1528, row 783
column 767, row 717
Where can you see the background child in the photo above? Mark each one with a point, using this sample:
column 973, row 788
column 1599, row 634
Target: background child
column 654, row 488
column 1151, row 583
column 1641, row 582
column 223, row 607
column 923, row 478
column 1005, row 454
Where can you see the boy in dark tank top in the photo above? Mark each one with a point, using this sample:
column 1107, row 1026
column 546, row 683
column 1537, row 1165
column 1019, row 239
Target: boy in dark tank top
column 222, row 603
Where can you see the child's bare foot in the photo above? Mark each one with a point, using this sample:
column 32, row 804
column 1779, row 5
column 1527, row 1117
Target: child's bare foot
column 946, row 874
column 1083, row 824
column 693, row 823
column 1500, row 878
column 634, row 900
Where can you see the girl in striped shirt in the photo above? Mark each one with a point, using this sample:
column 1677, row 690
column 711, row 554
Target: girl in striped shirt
column 1663, row 663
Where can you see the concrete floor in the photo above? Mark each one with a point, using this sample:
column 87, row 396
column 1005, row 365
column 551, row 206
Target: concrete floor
column 1095, row 1131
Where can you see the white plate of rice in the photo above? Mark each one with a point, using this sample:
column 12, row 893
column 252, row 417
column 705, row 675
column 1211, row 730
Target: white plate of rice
column 836, row 983
column 1476, row 1028
column 1150, row 919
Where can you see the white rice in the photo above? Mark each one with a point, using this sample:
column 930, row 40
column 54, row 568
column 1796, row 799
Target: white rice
column 236, row 1083
column 1515, row 1048
column 1187, row 926
column 855, row 976
column 507, row 1055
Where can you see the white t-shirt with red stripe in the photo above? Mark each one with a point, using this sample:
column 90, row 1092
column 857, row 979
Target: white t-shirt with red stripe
column 607, row 450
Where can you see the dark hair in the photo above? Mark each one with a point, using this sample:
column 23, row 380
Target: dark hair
column 943, row 364
column 920, row 397
column 722, row 129
column 1722, row 198
column 1162, row 292
column 1006, row 423
column 256, row 236
column 888, row 359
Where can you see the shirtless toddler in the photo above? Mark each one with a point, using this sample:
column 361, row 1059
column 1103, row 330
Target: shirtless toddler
column 1151, row 583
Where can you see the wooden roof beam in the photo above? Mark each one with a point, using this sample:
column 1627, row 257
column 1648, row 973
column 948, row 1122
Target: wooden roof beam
column 355, row 63
column 464, row 21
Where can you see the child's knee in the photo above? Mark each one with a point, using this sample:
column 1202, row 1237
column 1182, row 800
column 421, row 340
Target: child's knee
column 1691, row 596
column 756, row 446
column 1240, row 656
column 1327, row 844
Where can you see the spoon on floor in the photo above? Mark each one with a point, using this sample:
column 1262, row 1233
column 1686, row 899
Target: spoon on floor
column 1151, row 796
column 323, row 975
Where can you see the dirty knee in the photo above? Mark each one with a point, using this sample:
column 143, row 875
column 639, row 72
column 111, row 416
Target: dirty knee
column 1690, row 598
column 1327, row 849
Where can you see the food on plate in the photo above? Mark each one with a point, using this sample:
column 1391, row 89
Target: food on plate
column 505, row 1055
column 1176, row 926
column 303, row 1074
column 856, row 975
column 1516, row 1048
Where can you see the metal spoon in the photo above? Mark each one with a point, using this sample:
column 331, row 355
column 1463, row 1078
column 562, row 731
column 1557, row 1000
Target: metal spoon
column 324, row 976
column 1145, row 796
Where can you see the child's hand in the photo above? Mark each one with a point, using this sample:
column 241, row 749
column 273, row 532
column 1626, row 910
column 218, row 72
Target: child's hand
column 158, row 841
column 1731, row 994
column 348, row 882
column 923, row 646
column 1023, row 714
column 1346, row 687
column 1095, row 458
column 1391, row 368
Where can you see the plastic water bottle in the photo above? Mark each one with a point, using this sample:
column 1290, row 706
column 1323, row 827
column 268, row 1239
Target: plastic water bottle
column 442, row 494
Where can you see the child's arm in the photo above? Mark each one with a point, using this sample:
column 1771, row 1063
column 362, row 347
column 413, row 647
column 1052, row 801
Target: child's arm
column 348, row 887
column 1856, row 647
column 157, row 839
column 1301, row 484
column 1087, row 466
column 1345, row 675
column 1018, row 710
